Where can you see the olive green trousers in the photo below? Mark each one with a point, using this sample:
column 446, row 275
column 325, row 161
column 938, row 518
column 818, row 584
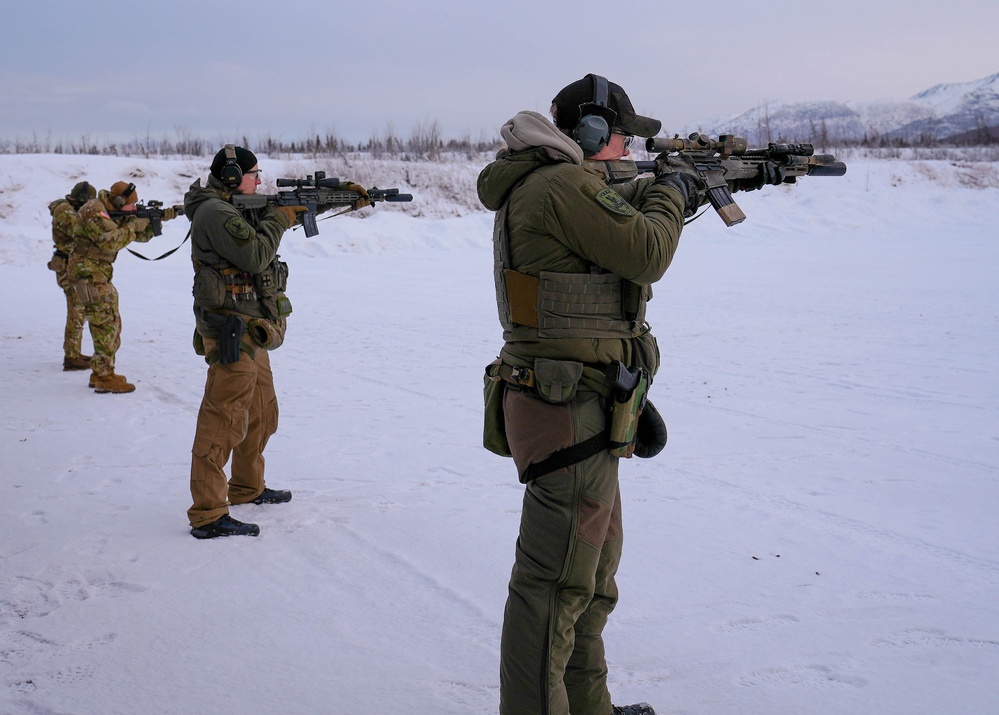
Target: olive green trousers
column 562, row 588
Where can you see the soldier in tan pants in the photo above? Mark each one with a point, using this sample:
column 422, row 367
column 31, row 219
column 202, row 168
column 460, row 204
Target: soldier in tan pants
column 237, row 273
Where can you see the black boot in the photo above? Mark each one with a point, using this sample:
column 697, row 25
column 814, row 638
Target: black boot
column 636, row 709
column 224, row 526
column 272, row 496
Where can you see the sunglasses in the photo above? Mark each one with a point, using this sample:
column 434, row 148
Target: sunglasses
column 628, row 138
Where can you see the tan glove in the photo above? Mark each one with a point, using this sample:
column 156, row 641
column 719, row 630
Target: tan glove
column 172, row 212
column 289, row 214
column 361, row 202
column 139, row 225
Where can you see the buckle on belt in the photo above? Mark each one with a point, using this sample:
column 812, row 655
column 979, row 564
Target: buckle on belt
column 522, row 376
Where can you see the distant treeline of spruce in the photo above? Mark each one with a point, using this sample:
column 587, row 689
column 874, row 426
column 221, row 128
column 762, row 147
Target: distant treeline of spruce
column 426, row 143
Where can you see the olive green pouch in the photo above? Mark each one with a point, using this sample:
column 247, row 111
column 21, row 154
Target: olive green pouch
column 209, row 288
column 556, row 380
column 494, row 424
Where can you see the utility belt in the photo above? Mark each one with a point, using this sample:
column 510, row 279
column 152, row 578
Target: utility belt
column 238, row 284
column 634, row 426
column 213, row 284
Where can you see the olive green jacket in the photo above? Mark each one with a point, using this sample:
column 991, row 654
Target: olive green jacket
column 557, row 222
column 222, row 236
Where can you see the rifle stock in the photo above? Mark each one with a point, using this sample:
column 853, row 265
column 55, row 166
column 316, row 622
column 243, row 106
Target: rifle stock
column 718, row 163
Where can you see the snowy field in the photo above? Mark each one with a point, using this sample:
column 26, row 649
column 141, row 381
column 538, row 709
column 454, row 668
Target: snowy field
column 819, row 536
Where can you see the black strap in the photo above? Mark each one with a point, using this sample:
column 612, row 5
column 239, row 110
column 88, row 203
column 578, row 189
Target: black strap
column 147, row 258
column 568, row 456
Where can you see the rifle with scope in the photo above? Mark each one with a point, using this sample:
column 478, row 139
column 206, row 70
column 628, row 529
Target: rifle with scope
column 723, row 164
column 318, row 195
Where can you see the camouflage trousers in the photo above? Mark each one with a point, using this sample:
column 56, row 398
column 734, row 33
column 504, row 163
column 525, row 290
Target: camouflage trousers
column 72, row 338
column 100, row 307
column 238, row 415
column 562, row 588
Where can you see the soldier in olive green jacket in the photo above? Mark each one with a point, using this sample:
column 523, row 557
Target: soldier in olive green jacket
column 574, row 261
column 240, row 310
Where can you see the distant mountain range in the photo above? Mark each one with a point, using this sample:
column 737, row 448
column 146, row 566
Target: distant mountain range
column 962, row 112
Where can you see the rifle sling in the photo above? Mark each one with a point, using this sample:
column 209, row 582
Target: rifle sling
column 147, row 258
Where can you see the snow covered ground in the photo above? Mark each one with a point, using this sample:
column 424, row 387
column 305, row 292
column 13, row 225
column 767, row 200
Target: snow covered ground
column 819, row 536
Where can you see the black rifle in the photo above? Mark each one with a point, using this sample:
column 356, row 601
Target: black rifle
column 717, row 162
column 317, row 195
column 152, row 210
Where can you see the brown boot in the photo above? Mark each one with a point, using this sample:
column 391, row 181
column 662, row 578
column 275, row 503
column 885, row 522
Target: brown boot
column 80, row 362
column 110, row 383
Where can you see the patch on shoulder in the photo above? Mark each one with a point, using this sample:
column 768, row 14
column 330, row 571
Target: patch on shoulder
column 612, row 201
column 237, row 228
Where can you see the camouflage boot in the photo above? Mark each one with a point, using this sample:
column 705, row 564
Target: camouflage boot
column 110, row 383
column 80, row 362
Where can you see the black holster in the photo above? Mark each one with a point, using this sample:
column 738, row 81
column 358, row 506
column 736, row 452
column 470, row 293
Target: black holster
column 230, row 336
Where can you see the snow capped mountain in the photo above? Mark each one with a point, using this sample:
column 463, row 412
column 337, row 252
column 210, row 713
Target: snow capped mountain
column 942, row 112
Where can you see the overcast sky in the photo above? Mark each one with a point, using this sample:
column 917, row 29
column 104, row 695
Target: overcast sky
column 224, row 70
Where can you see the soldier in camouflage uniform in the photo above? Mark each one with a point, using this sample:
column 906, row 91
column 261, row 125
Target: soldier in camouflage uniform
column 574, row 262
column 65, row 225
column 91, row 266
column 240, row 310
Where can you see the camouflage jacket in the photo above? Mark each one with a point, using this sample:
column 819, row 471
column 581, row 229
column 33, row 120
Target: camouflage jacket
column 225, row 238
column 560, row 219
column 66, row 225
column 101, row 238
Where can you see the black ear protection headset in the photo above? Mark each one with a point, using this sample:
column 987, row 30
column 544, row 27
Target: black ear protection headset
column 121, row 200
column 596, row 119
column 230, row 175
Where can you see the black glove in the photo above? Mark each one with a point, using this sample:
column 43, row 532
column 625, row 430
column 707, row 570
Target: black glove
column 769, row 173
column 689, row 187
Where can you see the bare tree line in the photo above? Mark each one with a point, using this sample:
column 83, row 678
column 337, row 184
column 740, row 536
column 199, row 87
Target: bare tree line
column 425, row 142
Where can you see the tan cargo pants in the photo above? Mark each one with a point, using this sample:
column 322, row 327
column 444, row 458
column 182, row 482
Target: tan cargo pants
column 239, row 413
column 562, row 588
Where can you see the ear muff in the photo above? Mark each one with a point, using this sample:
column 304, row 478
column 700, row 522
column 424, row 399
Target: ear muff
column 596, row 118
column 230, row 175
column 121, row 200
